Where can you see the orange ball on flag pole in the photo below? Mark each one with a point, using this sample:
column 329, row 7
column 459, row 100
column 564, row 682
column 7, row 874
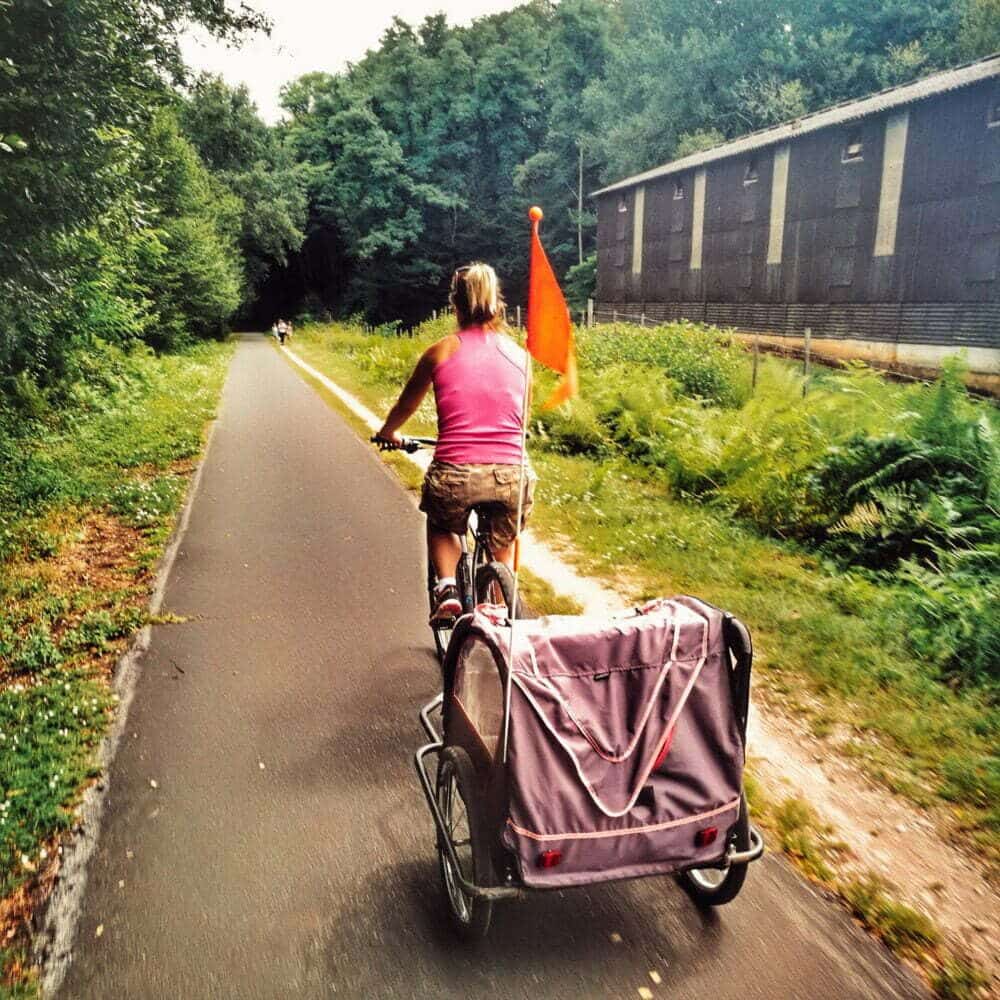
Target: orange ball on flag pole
column 535, row 214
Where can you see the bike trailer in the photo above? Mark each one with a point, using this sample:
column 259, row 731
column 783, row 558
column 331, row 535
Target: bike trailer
column 624, row 739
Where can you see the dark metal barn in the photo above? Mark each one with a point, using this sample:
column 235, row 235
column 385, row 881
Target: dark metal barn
column 875, row 223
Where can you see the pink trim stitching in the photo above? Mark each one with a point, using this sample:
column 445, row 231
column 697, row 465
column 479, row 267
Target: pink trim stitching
column 621, row 833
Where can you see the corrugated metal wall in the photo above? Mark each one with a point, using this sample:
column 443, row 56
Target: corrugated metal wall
column 885, row 228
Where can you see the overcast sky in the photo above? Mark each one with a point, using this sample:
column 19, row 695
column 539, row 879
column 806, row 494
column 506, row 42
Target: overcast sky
column 317, row 35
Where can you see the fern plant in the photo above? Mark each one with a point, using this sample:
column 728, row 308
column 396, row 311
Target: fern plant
column 933, row 488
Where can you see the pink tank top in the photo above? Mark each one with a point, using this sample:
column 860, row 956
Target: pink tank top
column 479, row 392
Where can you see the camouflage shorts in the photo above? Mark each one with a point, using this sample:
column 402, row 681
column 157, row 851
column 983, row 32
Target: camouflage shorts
column 450, row 491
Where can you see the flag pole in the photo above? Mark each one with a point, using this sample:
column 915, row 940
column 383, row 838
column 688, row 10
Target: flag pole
column 509, row 685
column 535, row 215
column 549, row 340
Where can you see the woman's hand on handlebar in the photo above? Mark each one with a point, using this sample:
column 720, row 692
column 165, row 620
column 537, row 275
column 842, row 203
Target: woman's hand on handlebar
column 396, row 442
column 387, row 444
column 388, row 440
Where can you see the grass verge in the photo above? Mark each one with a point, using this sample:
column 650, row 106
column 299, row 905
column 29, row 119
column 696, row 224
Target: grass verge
column 90, row 493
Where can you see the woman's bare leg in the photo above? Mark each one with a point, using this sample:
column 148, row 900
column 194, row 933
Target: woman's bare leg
column 444, row 550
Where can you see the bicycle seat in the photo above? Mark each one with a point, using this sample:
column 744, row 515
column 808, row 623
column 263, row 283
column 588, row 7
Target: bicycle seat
column 485, row 510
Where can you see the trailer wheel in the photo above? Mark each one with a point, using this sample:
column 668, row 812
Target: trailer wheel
column 717, row 886
column 461, row 808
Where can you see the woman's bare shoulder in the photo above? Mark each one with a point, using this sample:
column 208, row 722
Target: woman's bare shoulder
column 443, row 349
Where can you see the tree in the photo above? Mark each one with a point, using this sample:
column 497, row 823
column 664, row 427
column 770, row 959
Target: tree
column 562, row 173
column 980, row 31
column 195, row 282
column 78, row 81
column 250, row 160
column 465, row 127
column 80, row 86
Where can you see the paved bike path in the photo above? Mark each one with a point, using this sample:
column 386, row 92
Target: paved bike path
column 285, row 850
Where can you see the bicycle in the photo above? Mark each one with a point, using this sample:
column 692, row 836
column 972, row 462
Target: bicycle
column 480, row 578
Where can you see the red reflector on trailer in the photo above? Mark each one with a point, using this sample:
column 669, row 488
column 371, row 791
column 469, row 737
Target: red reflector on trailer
column 549, row 859
column 707, row 836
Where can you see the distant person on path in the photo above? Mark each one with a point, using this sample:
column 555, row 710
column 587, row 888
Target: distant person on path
column 282, row 331
column 478, row 374
column 274, row 330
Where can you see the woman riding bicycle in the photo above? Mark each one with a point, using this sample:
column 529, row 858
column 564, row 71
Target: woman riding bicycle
column 478, row 374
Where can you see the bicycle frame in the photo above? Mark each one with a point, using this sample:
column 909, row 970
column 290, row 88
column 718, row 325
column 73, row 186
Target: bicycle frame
column 469, row 562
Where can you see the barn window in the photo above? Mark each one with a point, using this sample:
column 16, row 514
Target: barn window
column 854, row 149
column 751, row 176
column 678, row 190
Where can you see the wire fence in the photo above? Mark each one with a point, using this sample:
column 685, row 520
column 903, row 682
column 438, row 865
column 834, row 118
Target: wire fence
column 800, row 349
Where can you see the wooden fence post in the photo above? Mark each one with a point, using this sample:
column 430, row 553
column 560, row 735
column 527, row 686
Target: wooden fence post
column 519, row 317
column 614, row 315
column 805, row 360
column 590, row 313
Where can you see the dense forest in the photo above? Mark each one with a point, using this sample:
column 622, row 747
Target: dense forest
column 139, row 204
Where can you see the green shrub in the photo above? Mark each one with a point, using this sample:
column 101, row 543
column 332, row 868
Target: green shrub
column 581, row 283
column 931, row 487
column 34, row 653
column 701, row 360
column 94, row 632
column 144, row 503
column 905, row 930
column 949, row 615
column 47, row 731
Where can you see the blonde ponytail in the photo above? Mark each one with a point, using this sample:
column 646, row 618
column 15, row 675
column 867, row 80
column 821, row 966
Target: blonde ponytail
column 476, row 298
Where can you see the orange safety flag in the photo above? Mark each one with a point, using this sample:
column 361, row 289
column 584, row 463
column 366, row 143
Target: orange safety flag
column 550, row 332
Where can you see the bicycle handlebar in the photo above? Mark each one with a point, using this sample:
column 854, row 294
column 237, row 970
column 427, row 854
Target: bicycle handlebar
column 409, row 445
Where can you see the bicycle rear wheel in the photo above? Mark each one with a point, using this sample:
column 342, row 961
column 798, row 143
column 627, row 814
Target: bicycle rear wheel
column 495, row 585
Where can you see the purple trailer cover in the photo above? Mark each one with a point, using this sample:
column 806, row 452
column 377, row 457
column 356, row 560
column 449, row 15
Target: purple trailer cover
column 624, row 748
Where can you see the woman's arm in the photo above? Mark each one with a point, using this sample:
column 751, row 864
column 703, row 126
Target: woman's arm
column 412, row 395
